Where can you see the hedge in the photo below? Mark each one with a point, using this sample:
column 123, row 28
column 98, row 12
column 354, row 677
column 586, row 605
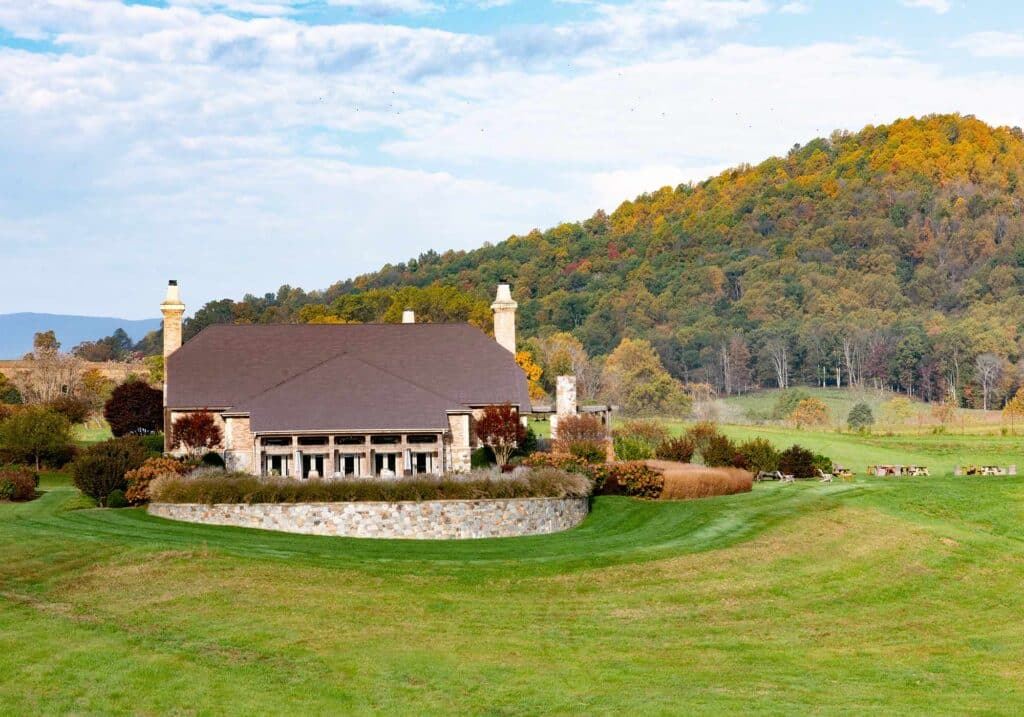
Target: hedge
column 211, row 488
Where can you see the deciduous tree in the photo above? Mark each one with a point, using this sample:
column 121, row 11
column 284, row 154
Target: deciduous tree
column 500, row 429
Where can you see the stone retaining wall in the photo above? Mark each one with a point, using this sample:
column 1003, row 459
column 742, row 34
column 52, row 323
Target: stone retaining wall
column 427, row 520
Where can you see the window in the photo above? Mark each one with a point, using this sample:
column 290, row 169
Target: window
column 313, row 441
column 385, row 464
column 422, row 438
column 277, row 465
column 422, row 462
column 350, row 440
column 313, row 466
column 276, row 441
column 385, row 440
column 349, row 464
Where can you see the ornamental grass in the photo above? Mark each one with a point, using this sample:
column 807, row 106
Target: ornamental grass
column 211, row 488
column 684, row 481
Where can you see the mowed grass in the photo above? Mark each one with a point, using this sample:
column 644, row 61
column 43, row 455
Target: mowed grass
column 940, row 453
column 877, row 597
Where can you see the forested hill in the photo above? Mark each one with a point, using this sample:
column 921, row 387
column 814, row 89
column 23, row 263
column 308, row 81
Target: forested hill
column 894, row 255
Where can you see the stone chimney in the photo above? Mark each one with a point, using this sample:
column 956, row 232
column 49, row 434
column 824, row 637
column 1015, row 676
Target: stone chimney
column 173, row 310
column 408, row 316
column 504, row 308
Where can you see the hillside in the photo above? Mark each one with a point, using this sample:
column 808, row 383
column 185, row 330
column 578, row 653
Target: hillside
column 17, row 330
column 888, row 257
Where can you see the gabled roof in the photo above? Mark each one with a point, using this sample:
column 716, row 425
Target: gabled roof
column 325, row 377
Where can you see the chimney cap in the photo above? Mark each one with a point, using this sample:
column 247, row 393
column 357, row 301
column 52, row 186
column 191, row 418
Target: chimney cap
column 172, row 282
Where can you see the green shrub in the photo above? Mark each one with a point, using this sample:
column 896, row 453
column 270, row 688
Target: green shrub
column 213, row 488
column 679, row 449
column 860, row 417
column 719, row 451
column 758, row 454
column 213, row 460
column 18, row 483
column 116, row 499
column 632, row 448
column 788, row 401
column 154, row 442
column 589, row 451
column 823, row 463
column 101, row 468
column 481, row 457
column 797, row 462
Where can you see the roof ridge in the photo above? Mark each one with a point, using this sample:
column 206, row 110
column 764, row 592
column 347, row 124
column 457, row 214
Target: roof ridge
column 404, row 379
column 292, row 377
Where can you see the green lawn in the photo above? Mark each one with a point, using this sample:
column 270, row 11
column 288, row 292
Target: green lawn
column 875, row 597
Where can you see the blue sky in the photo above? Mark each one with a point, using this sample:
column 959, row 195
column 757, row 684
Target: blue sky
column 237, row 145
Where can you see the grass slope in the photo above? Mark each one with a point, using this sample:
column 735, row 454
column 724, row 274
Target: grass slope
column 871, row 597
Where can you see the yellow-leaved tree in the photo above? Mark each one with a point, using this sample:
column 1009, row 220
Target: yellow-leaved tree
column 533, row 373
column 809, row 412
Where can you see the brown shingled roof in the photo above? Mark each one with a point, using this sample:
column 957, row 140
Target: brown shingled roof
column 324, row 377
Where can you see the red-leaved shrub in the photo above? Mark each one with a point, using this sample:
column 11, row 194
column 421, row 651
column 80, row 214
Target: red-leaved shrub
column 18, row 483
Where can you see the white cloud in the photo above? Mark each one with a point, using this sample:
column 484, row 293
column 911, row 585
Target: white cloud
column 795, row 8
column 264, row 150
column 993, row 44
column 939, row 6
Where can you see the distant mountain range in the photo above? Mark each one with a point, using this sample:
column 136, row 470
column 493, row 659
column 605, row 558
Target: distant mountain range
column 17, row 330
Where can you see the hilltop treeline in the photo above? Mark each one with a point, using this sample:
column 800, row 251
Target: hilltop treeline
column 893, row 256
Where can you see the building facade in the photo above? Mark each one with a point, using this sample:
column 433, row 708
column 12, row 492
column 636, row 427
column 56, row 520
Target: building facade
column 357, row 400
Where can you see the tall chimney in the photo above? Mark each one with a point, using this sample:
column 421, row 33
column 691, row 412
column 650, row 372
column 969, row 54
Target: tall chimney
column 173, row 310
column 408, row 316
column 504, row 308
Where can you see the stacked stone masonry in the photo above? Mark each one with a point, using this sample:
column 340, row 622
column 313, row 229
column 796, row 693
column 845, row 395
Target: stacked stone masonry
column 427, row 520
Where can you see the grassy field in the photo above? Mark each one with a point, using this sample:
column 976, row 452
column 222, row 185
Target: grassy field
column 741, row 409
column 876, row 597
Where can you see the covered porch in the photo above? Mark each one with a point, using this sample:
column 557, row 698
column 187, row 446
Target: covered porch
column 351, row 455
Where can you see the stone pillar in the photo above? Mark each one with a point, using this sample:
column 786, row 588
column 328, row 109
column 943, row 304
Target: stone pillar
column 565, row 401
column 408, row 316
column 504, row 308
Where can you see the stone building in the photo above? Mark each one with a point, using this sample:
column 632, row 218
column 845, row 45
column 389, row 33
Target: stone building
column 326, row 400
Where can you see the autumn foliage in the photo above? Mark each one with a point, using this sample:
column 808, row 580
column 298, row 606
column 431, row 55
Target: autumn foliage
column 196, row 432
column 134, row 408
column 500, row 429
column 138, row 480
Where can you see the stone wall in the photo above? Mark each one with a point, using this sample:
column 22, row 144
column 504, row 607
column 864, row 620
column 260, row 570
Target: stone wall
column 427, row 520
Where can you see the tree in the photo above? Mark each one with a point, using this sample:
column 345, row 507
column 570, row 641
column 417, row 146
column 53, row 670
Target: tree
column 499, row 428
column 135, row 408
column 8, row 391
column 196, row 432
column 860, row 416
column 35, row 433
column 635, row 379
column 562, row 354
column 155, row 367
column 533, row 373
column 48, row 373
column 809, row 412
column 988, row 369
column 1014, row 408
column 899, row 408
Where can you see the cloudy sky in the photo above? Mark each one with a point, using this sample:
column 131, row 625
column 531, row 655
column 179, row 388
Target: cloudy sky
column 238, row 145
